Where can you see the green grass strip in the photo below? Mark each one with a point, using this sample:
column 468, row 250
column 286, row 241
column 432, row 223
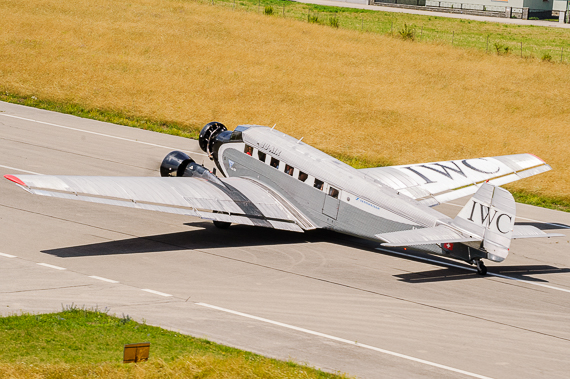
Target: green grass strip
column 106, row 115
column 90, row 343
column 192, row 131
column 557, row 203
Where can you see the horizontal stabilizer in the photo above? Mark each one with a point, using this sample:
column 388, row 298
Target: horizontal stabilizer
column 528, row 231
column 435, row 235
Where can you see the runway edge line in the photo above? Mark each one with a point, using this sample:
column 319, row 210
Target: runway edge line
column 342, row 340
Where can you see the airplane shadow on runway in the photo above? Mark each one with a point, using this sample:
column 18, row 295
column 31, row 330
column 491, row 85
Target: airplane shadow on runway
column 448, row 274
column 207, row 236
column 545, row 226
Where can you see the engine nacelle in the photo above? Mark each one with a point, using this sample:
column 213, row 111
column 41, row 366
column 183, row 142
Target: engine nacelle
column 174, row 164
column 210, row 134
column 180, row 164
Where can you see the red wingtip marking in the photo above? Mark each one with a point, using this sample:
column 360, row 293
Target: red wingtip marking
column 539, row 158
column 15, row 180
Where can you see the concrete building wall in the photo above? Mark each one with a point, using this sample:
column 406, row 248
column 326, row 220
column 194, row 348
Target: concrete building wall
column 488, row 5
column 494, row 5
column 364, row 2
column 560, row 5
column 539, row 4
column 512, row 8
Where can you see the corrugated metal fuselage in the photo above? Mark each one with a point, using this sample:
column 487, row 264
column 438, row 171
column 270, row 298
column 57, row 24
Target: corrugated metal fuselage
column 347, row 201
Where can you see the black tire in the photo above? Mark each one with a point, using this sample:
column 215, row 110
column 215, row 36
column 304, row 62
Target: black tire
column 222, row 224
column 481, row 268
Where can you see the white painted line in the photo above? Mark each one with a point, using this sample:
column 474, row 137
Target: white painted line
column 7, row 255
column 19, row 169
column 338, row 339
column 524, row 218
column 98, row 134
column 473, row 269
column 52, row 266
column 157, row 293
column 530, row 282
column 104, row 279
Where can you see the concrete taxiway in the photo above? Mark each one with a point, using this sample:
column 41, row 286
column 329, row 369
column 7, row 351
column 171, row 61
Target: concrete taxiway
column 334, row 302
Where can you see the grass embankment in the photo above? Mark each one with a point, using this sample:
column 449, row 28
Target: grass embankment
column 90, row 344
column 362, row 96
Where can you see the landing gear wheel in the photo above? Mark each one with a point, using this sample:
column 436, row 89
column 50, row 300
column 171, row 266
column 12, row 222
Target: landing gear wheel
column 222, row 224
column 481, row 268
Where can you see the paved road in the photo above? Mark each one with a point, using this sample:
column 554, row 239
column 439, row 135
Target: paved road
column 513, row 21
column 333, row 302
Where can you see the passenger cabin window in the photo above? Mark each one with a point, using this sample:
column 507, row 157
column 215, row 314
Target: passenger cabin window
column 303, row 176
column 289, row 170
column 261, row 156
column 333, row 192
column 248, row 150
column 318, row 184
column 274, row 162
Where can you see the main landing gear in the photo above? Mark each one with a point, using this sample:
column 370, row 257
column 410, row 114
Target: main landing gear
column 222, row 224
column 481, row 268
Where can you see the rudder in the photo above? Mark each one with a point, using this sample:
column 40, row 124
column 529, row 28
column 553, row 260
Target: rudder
column 490, row 214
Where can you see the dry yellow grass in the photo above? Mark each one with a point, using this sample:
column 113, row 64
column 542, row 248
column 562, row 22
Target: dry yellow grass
column 348, row 92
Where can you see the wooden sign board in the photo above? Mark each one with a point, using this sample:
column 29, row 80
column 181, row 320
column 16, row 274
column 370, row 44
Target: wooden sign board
column 136, row 352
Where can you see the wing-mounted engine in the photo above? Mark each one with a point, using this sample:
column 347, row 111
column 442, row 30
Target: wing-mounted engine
column 180, row 164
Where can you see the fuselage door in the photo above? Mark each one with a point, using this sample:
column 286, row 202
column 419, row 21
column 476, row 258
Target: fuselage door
column 330, row 207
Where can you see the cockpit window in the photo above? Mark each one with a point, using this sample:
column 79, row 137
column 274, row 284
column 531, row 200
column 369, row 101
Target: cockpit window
column 261, row 156
column 289, row 170
column 241, row 128
column 274, row 162
column 318, row 184
column 333, row 192
column 303, row 176
column 248, row 150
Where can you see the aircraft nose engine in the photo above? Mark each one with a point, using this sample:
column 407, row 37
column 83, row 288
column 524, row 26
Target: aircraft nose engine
column 208, row 136
column 178, row 163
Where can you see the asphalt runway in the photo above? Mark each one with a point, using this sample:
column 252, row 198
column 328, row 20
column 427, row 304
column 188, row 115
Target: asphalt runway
column 333, row 302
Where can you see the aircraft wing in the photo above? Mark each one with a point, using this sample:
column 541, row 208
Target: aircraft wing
column 234, row 200
column 437, row 182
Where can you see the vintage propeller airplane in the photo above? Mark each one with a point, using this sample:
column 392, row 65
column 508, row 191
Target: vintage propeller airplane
column 276, row 181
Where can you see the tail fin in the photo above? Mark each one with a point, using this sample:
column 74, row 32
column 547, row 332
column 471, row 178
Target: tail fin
column 490, row 214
